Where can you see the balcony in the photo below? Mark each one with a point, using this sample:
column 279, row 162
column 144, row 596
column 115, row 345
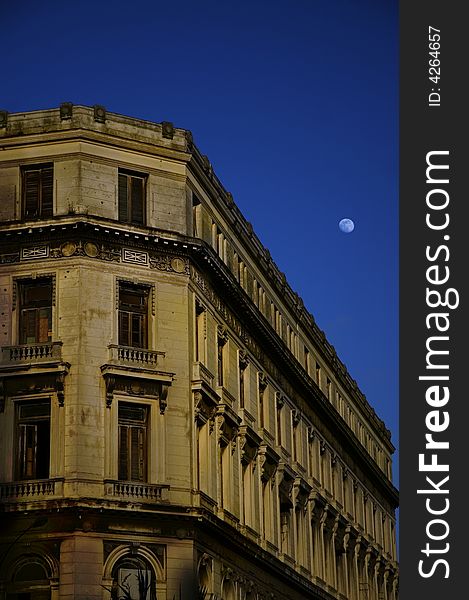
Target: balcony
column 126, row 355
column 136, row 371
column 31, row 354
column 128, row 490
column 37, row 489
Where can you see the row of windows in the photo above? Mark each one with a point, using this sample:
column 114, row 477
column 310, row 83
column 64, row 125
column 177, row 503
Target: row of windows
column 262, row 497
column 35, row 312
column 35, row 326
column 333, row 395
column 33, row 440
column 38, row 193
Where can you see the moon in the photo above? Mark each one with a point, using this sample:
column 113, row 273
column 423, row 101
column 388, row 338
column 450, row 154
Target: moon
column 346, row 225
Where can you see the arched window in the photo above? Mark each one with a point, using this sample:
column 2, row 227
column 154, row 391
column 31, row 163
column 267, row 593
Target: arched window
column 30, row 581
column 133, row 579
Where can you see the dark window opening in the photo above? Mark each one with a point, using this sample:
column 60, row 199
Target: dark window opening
column 133, row 420
column 33, row 440
column 241, row 386
column 195, row 216
column 38, row 186
column 220, row 362
column 131, row 197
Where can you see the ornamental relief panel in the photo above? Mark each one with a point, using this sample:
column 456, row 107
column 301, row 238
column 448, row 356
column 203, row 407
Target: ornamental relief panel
column 107, row 252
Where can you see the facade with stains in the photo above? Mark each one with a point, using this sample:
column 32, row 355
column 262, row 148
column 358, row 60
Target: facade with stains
column 173, row 422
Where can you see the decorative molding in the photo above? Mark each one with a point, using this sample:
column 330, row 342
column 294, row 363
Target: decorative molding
column 167, row 130
column 59, row 387
column 135, row 256
column 99, row 113
column 3, row 118
column 243, row 360
column 66, row 111
column 110, row 382
column 296, row 417
column 222, row 335
column 9, row 258
column 279, row 399
column 262, row 379
column 35, row 252
column 136, row 382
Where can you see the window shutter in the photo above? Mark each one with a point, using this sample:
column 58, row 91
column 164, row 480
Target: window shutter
column 123, row 198
column 138, row 331
column 124, row 318
column 137, row 200
column 137, row 454
column 31, row 193
column 47, row 189
column 28, row 326
column 42, row 458
column 27, row 448
column 123, row 452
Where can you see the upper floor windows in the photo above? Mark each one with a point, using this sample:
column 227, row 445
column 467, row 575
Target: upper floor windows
column 133, row 315
column 131, row 197
column 33, row 439
column 35, row 315
column 37, row 191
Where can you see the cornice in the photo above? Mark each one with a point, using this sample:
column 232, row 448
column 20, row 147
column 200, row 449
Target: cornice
column 96, row 137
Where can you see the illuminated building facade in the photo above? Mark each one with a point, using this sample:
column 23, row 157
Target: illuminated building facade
column 170, row 415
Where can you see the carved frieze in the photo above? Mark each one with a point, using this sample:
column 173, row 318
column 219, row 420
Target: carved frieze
column 108, row 252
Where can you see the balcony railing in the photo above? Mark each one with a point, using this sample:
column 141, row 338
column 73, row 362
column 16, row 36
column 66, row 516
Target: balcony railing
column 135, row 356
column 31, row 490
column 31, row 353
column 128, row 490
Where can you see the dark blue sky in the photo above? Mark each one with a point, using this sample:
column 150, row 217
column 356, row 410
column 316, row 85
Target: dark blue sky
column 296, row 105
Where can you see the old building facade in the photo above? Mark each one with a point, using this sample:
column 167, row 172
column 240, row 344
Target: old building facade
column 171, row 415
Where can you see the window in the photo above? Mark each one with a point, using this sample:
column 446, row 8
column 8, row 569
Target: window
column 243, row 363
column 220, row 367
column 133, row 315
column 132, row 197
column 133, row 424
column 133, row 577
column 279, row 423
column 33, row 439
column 35, row 316
column 199, row 332
column 196, row 216
column 307, row 360
column 38, row 186
column 262, row 385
